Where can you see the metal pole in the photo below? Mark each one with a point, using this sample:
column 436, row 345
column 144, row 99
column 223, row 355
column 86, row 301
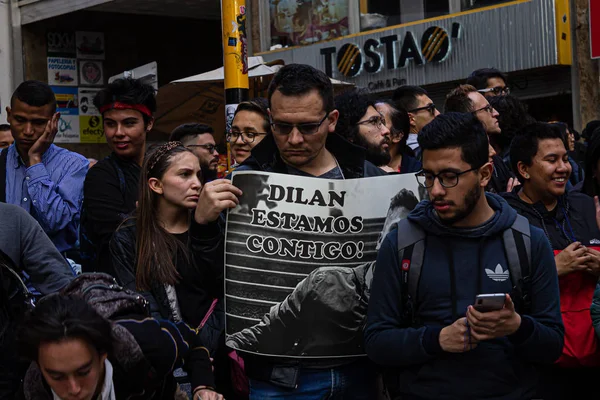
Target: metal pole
column 235, row 59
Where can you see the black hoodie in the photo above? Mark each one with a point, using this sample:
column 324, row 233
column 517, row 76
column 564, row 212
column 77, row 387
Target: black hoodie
column 573, row 219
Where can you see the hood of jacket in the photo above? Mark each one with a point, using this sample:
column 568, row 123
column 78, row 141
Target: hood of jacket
column 504, row 216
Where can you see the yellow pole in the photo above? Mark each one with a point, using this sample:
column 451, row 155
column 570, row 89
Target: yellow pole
column 235, row 59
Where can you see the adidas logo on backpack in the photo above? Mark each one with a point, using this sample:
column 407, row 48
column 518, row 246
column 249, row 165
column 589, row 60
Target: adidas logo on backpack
column 499, row 275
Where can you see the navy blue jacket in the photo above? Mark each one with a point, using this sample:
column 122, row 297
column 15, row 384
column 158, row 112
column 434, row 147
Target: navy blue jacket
column 502, row 368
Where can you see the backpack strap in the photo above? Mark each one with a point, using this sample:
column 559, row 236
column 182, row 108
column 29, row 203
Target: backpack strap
column 3, row 162
column 411, row 252
column 517, row 247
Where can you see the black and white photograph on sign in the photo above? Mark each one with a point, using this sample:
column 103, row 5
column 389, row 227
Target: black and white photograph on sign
column 86, row 101
column 90, row 45
column 91, row 73
column 300, row 255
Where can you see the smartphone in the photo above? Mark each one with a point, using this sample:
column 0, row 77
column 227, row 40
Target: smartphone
column 489, row 302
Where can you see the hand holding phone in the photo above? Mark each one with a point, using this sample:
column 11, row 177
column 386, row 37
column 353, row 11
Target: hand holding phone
column 491, row 324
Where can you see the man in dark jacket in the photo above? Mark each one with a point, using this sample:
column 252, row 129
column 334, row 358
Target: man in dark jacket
column 303, row 142
column 568, row 218
column 25, row 248
column 467, row 99
column 360, row 123
column 449, row 350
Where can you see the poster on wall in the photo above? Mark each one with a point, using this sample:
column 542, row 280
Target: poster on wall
column 91, row 129
column 68, row 129
column 86, row 101
column 67, row 99
column 90, row 45
column 91, row 73
column 301, row 22
column 60, row 43
column 290, row 244
column 62, row 71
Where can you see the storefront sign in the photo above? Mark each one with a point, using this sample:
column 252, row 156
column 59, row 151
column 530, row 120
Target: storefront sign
column 377, row 53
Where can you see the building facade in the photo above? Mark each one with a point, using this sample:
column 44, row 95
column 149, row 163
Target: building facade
column 434, row 44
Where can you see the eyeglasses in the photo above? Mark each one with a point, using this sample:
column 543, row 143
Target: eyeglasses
column 487, row 108
column 498, row 90
column 210, row 147
column 448, row 179
column 308, row 128
column 377, row 121
column 247, row 137
column 429, row 107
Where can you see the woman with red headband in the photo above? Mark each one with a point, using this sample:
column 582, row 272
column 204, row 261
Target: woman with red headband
column 111, row 186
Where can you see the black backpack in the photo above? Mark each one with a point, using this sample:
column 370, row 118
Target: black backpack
column 411, row 252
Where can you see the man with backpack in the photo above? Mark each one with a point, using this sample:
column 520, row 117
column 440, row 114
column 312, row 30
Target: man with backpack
column 422, row 324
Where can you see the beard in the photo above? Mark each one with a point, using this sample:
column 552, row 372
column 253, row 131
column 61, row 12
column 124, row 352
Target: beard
column 208, row 174
column 375, row 154
column 471, row 199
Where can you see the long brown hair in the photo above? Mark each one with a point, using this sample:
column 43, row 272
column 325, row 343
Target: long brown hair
column 156, row 248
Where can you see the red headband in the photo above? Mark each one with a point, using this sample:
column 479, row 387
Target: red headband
column 117, row 105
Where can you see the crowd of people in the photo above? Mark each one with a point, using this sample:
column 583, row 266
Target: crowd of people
column 512, row 208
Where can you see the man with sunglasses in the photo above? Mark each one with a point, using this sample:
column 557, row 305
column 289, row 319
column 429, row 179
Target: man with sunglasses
column 446, row 348
column 420, row 108
column 489, row 82
column 360, row 123
column 466, row 99
column 199, row 138
column 303, row 142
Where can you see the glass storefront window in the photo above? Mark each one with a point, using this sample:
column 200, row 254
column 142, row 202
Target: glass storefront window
column 376, row 14
column 302, row 22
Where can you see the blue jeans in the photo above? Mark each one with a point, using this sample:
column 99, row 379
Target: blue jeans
column 356, row 381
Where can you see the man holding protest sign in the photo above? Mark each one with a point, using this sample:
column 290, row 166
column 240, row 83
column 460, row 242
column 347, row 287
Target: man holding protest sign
column 424, row 322
column 303, row 142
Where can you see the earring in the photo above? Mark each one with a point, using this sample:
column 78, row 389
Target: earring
column 526, row 176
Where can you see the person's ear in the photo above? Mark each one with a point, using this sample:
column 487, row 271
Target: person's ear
column 155, row 185
column 332, row 120
column 523, row 170
column 411, row 119
column 8, row 113
column 150, row 125
column 485, row 174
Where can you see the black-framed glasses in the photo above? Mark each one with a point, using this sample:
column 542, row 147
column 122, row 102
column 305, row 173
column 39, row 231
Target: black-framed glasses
column 498, row 90
column 487, row 108
column 305, row 128
column 209, row 147
column 247, row 137
column 429, row 107
column 376, row 121
column 448, row 179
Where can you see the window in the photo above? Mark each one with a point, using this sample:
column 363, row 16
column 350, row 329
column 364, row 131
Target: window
column 302, row 22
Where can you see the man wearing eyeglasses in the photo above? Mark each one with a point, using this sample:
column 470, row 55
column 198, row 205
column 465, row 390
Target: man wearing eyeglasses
column 444, row 347
column 199, row 138
column 303, row 142
column 466, row 99
column 420, row 108
column 360, row 123
column 489, row 82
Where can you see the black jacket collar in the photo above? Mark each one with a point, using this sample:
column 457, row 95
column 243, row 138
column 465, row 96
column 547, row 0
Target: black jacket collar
column 351, row 158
